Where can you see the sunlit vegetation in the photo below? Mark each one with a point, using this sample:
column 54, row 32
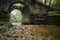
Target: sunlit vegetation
column 18, row 5
column 16, row 15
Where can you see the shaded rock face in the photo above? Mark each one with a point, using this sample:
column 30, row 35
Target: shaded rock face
column 5, row 8
column 6, row 3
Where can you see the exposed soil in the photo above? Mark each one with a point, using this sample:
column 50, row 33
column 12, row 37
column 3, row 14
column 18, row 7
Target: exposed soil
column 31, row 32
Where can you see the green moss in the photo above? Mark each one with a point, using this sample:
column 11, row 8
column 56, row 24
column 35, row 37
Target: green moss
column 18, row 5
column 5, row 24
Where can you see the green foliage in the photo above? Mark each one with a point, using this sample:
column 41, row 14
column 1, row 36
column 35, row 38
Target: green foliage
column 27, row 20
column 5, row 24
column 51, row 37
column 19, row 16
column 16, row 16
column 40, row 1
column 35, row 33
column 53, row 2
column 19, row 5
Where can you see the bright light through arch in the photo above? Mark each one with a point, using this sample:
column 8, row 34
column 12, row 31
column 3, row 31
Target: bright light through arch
column 16, row 17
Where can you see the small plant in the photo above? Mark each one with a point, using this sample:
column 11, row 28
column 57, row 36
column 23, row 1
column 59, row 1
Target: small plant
column 5, row 24
column 35, row 33
column 51, row 37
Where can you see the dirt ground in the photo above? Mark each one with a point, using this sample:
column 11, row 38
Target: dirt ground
column 31, row 32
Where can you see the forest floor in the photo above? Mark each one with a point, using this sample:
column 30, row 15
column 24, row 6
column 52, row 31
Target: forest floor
column 31, row 32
